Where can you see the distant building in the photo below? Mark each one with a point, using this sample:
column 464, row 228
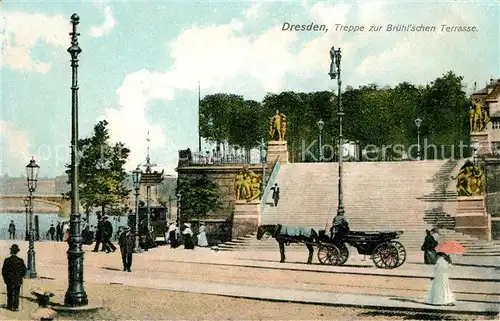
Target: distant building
column 489, row 97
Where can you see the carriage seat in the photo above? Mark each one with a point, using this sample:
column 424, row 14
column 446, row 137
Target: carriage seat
column 391, row 234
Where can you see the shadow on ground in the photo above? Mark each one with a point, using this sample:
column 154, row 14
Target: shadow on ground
column 407, row 316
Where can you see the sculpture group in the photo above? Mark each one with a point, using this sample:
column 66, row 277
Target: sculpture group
column 277, row 127
column 470, row 180
column 247, row 185
column 478, row 117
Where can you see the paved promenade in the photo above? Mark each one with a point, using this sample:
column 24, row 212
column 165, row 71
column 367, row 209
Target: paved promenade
column 236, row 274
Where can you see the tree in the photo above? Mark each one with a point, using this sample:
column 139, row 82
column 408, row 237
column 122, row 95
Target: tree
column 199, row 196
column 101, row 175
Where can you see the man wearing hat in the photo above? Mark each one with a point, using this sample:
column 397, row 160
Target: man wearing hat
column 108, row 233
column 13, row 272
column 127, row 243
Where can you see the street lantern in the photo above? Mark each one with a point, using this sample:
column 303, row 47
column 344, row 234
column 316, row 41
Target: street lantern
column 32, row 174
column 320, row 124
column 32, row 178
column 418, row 122
column 136, row 178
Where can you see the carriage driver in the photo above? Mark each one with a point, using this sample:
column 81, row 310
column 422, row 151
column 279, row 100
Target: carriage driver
column 340, row 227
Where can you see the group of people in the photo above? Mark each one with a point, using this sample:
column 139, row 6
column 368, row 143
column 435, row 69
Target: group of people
column 174, row 236
column 103, row 235
column 440, row 292
column 58, row 233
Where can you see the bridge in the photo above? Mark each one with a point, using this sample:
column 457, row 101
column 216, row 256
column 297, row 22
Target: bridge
column 63, row 204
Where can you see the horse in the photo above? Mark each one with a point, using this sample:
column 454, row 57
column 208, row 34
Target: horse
column 284, row 235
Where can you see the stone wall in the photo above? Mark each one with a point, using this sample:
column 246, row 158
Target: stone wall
column 493, row 195
column 224, row 176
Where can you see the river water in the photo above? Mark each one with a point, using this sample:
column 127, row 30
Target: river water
column 44, row 222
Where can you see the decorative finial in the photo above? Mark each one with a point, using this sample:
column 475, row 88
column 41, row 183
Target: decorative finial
column 75, row 49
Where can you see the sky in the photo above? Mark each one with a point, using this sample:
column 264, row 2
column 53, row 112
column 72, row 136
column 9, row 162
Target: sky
column 142, row 61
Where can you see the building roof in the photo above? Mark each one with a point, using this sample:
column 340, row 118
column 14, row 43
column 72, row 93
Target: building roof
column 490, row 92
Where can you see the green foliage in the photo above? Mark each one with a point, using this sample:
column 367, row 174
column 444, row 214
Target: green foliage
column 100, row 172
column 374, row 115
column 200, row 196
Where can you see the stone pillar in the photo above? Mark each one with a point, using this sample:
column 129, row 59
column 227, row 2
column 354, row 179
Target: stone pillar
column 277, row 148
column 246, row 218
column 484, row 142
column 472, row 218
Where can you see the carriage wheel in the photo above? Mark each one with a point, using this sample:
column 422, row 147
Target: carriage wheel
column 328, row 254
column 385, row 255
column 344, row 253
column 401, row 253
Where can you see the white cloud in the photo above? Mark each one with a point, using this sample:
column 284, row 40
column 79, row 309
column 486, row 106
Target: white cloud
column 254, row 11
column 224, row 59
column 107, row 25
column 15, row 150
column 18, row 38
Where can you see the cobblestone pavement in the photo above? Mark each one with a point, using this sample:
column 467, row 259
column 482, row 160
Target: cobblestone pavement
column 203, row 265
column 131, row 303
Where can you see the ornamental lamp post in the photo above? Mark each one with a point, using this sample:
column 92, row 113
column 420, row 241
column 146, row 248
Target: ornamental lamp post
column 336, row 56
column 418, row 122
column 136, row 178
column 75, row 295
column 263, row 155
column 474, row 144
column 32, row 177
column 27, row 209
column 320, row 124
column 179, row 209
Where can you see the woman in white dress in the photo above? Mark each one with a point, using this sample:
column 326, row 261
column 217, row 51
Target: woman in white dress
column 440, row 292
column 202, row 236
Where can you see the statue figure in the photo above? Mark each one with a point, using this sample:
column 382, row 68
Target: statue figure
column 247, row 185
column 478, row 118
column 238, row 184
column 277, row 124
column 470, row 180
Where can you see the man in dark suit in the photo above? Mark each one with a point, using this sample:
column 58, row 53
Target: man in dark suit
column 276, row 194
column 127, row 244
column 13, row 272
column 108, row 233
column 99, row 234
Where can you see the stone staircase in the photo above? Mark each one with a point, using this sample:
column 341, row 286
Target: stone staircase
column 378, row 196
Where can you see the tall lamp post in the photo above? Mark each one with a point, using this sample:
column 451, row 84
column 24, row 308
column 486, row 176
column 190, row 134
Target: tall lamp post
column 32, row 177
column 27, row 208
column 179, row 209
column 335, row 56
column 475, row 147
column 75, row 295
column 263, row 155
column 418, row 122
column 136, row 178
column 321, row 124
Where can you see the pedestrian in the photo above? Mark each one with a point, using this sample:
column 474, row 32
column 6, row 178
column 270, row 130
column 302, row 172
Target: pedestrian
column 188, row 237
column 202, row 236
column 276, row 194
column 429, row 248
column 99, row 234
column 126, row 242
column 12, row 230
column 440, row 291
column 66, row 231
column 108, row 233
column 172, row 235
column 59, row 232
column 51, row 232
column 13, row 272
column 435, row 234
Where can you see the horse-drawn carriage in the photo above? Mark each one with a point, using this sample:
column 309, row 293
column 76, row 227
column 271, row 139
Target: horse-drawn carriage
column 383, row 248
